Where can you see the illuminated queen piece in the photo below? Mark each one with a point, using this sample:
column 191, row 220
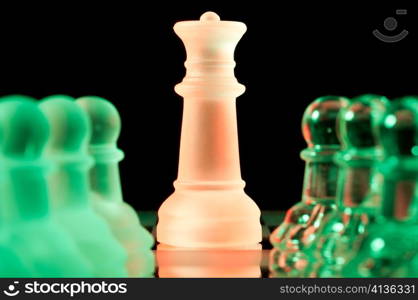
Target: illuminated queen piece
column 209, row 208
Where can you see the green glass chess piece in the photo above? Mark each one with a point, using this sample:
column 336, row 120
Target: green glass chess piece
column 11, row 265
column 106, row 186
column 392, row 242
column 319, row 127
column 69, row 186
column 358, row 198
column 17, row 97
column 41, row 245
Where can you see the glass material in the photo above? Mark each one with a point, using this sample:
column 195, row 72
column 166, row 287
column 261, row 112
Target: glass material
column 69, row 186
column 33, row 244
column 357, row 199
column 390, row 249
column 106, row 190
column 299, row 228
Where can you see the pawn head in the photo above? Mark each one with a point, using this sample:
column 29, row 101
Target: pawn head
column 359, row 118
column 398, row 130
column 17, row 97
column 70, row 129
column 24, row 129
column 319, row 123
column 104, row 118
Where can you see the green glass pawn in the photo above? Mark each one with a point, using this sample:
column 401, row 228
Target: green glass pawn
column 106, row 186
column 319, row 127
column 286, row 263
column 69, row 186
column 357, row 199
column 11, row 265
column 17, row 97
column 392, row 242
column 27, row 227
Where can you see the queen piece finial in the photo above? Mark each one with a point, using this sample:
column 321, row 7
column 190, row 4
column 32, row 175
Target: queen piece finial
column 209, row 16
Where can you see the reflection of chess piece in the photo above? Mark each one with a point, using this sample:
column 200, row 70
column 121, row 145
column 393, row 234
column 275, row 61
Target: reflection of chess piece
column 41, row 244
column 69, row 185
column 339, row 237
column 174, row 262
column 318, row 197
column 392, row 241
column 209, row 208
column 106, row 186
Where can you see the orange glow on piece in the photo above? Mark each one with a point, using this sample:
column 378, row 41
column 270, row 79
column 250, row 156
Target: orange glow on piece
column 209, row 208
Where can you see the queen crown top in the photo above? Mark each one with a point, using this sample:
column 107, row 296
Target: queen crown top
column 210, row 44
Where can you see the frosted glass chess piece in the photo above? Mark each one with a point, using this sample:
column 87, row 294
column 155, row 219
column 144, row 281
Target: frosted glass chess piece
column 106, row 186
column 41, row 244
column 17, row 97
column 209, row 208
column 11, row 265
column 358, row 199
column 69, row 185
column 390, row 246
column 208, row 263
column 301, row 222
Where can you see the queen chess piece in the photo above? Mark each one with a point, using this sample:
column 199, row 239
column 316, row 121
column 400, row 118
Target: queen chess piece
column 209, row 208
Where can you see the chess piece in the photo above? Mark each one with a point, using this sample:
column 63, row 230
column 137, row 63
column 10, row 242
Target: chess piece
column 209, row 208
column 174, row 262
column 41, row 245
column 283, row 264
column 69, row 185
column 299, row 227
column 392, row 241
column 105, row 185
column 17, row 97
column 11, row 265
column 358, row 198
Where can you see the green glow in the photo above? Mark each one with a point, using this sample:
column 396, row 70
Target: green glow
column 377, row 244
column 299, row 228
column 349, row 116
column 53, row 223
column 106, row 186
column 390, row 247
column 315, row 115
column 29, row 233
column 337, row 227
column 340, row 234
column 390, row 121
column 304, row 218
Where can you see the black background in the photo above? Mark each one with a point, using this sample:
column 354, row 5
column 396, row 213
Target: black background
column 128, row 53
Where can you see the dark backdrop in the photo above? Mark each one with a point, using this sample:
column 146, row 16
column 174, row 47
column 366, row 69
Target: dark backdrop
column 128, row 53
